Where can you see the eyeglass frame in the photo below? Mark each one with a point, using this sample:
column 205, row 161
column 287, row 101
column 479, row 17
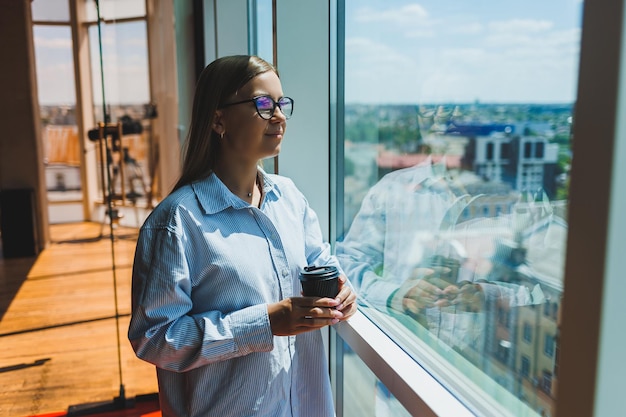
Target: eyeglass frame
column 255, row 98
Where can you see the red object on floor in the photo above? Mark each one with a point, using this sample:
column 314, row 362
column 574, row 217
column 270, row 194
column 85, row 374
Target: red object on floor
column 61, row 414
column 141, row 409
column 123, row 413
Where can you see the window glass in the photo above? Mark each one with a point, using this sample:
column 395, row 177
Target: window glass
column 525, row 371
column 57, row 104
column 115, row 9
column 50, row 10
column 528, row 332
column 363, row 394
column 264, row 30
column 124, row 64
column 263, row 46
column 456, row 155
column 122, row 68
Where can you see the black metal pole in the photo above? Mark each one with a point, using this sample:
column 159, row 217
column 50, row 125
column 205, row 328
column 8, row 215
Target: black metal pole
column 120, row 402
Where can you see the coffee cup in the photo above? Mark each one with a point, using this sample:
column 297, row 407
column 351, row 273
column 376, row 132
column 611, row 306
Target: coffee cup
column 320, row 281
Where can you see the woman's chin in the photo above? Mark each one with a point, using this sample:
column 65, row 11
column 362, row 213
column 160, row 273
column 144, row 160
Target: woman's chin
column 274, row 152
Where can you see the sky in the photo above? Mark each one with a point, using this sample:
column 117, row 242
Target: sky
column 125, row 64
column 124, row 48
column 459, row 51
column 397, row 51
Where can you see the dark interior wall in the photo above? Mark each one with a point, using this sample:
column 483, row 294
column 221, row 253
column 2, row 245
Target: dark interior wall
column 21, row 150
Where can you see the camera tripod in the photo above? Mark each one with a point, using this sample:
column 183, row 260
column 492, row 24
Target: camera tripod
column 122, row 177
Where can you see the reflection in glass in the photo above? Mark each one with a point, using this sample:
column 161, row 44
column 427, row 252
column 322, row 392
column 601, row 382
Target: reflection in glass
column 456, row 166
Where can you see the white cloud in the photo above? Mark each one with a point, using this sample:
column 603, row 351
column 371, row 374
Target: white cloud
column 127, row 83
column 510, row 33
column 420, row 33
column 370, row 52
column 136, row 42
column 538, row 67
column 376, row 72
column 468, row 28
column 413, row 20
column 463, row 59
column 465, row 55
column 409, row 14
column 53, row 43
column 55, row 84
column 518, row 26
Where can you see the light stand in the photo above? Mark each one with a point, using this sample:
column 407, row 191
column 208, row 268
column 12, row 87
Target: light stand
column 106, row 161
column 116, row 131
column 120, row 402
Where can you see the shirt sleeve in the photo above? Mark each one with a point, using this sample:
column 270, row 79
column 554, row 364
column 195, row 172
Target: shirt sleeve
column 163, row 330
column 361, row 253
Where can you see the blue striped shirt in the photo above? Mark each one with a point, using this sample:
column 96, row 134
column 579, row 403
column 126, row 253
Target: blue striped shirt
column 206, row 265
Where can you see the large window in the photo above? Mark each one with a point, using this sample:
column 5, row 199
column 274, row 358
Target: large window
column 456, row 149
column 57, row 102
column 121, row 94
column 120, row 85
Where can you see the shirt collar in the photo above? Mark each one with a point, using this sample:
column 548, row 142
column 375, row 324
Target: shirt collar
column 214, row 196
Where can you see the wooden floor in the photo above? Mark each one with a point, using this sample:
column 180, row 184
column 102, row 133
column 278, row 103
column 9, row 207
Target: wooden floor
column 58, row 325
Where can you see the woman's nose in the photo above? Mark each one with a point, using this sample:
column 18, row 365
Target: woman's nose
column 279, row 115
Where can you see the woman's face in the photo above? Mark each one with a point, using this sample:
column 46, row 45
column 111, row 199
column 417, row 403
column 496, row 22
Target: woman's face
column 247, row 136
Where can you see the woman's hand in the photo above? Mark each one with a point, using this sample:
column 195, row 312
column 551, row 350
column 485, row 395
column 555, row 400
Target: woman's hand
column 468, row 297
column 296, row 315
column 346, row 299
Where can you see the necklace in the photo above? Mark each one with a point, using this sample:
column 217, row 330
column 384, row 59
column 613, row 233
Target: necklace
column 256, row 185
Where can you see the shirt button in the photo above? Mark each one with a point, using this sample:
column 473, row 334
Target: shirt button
column 285, row 272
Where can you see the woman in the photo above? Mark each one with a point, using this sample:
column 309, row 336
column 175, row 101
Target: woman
column 216, row 302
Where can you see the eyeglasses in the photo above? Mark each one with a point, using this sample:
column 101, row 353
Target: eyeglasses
column 266, row 106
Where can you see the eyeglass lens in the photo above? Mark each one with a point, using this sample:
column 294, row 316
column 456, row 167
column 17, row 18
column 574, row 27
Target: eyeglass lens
column 266, row 106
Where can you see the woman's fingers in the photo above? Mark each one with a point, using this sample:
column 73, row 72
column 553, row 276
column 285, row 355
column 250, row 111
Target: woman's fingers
column 311, row 307
column 296, row 315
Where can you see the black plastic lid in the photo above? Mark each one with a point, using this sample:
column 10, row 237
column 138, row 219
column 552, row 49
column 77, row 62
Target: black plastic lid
column 313, row 272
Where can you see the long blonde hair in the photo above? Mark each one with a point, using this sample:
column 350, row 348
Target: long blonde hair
column 218, row 81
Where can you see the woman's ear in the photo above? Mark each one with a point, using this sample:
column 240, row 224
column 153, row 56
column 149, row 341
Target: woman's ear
column 218, row 123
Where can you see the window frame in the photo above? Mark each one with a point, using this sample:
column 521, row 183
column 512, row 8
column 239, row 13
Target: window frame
column 548, row 345
column 527, row 332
